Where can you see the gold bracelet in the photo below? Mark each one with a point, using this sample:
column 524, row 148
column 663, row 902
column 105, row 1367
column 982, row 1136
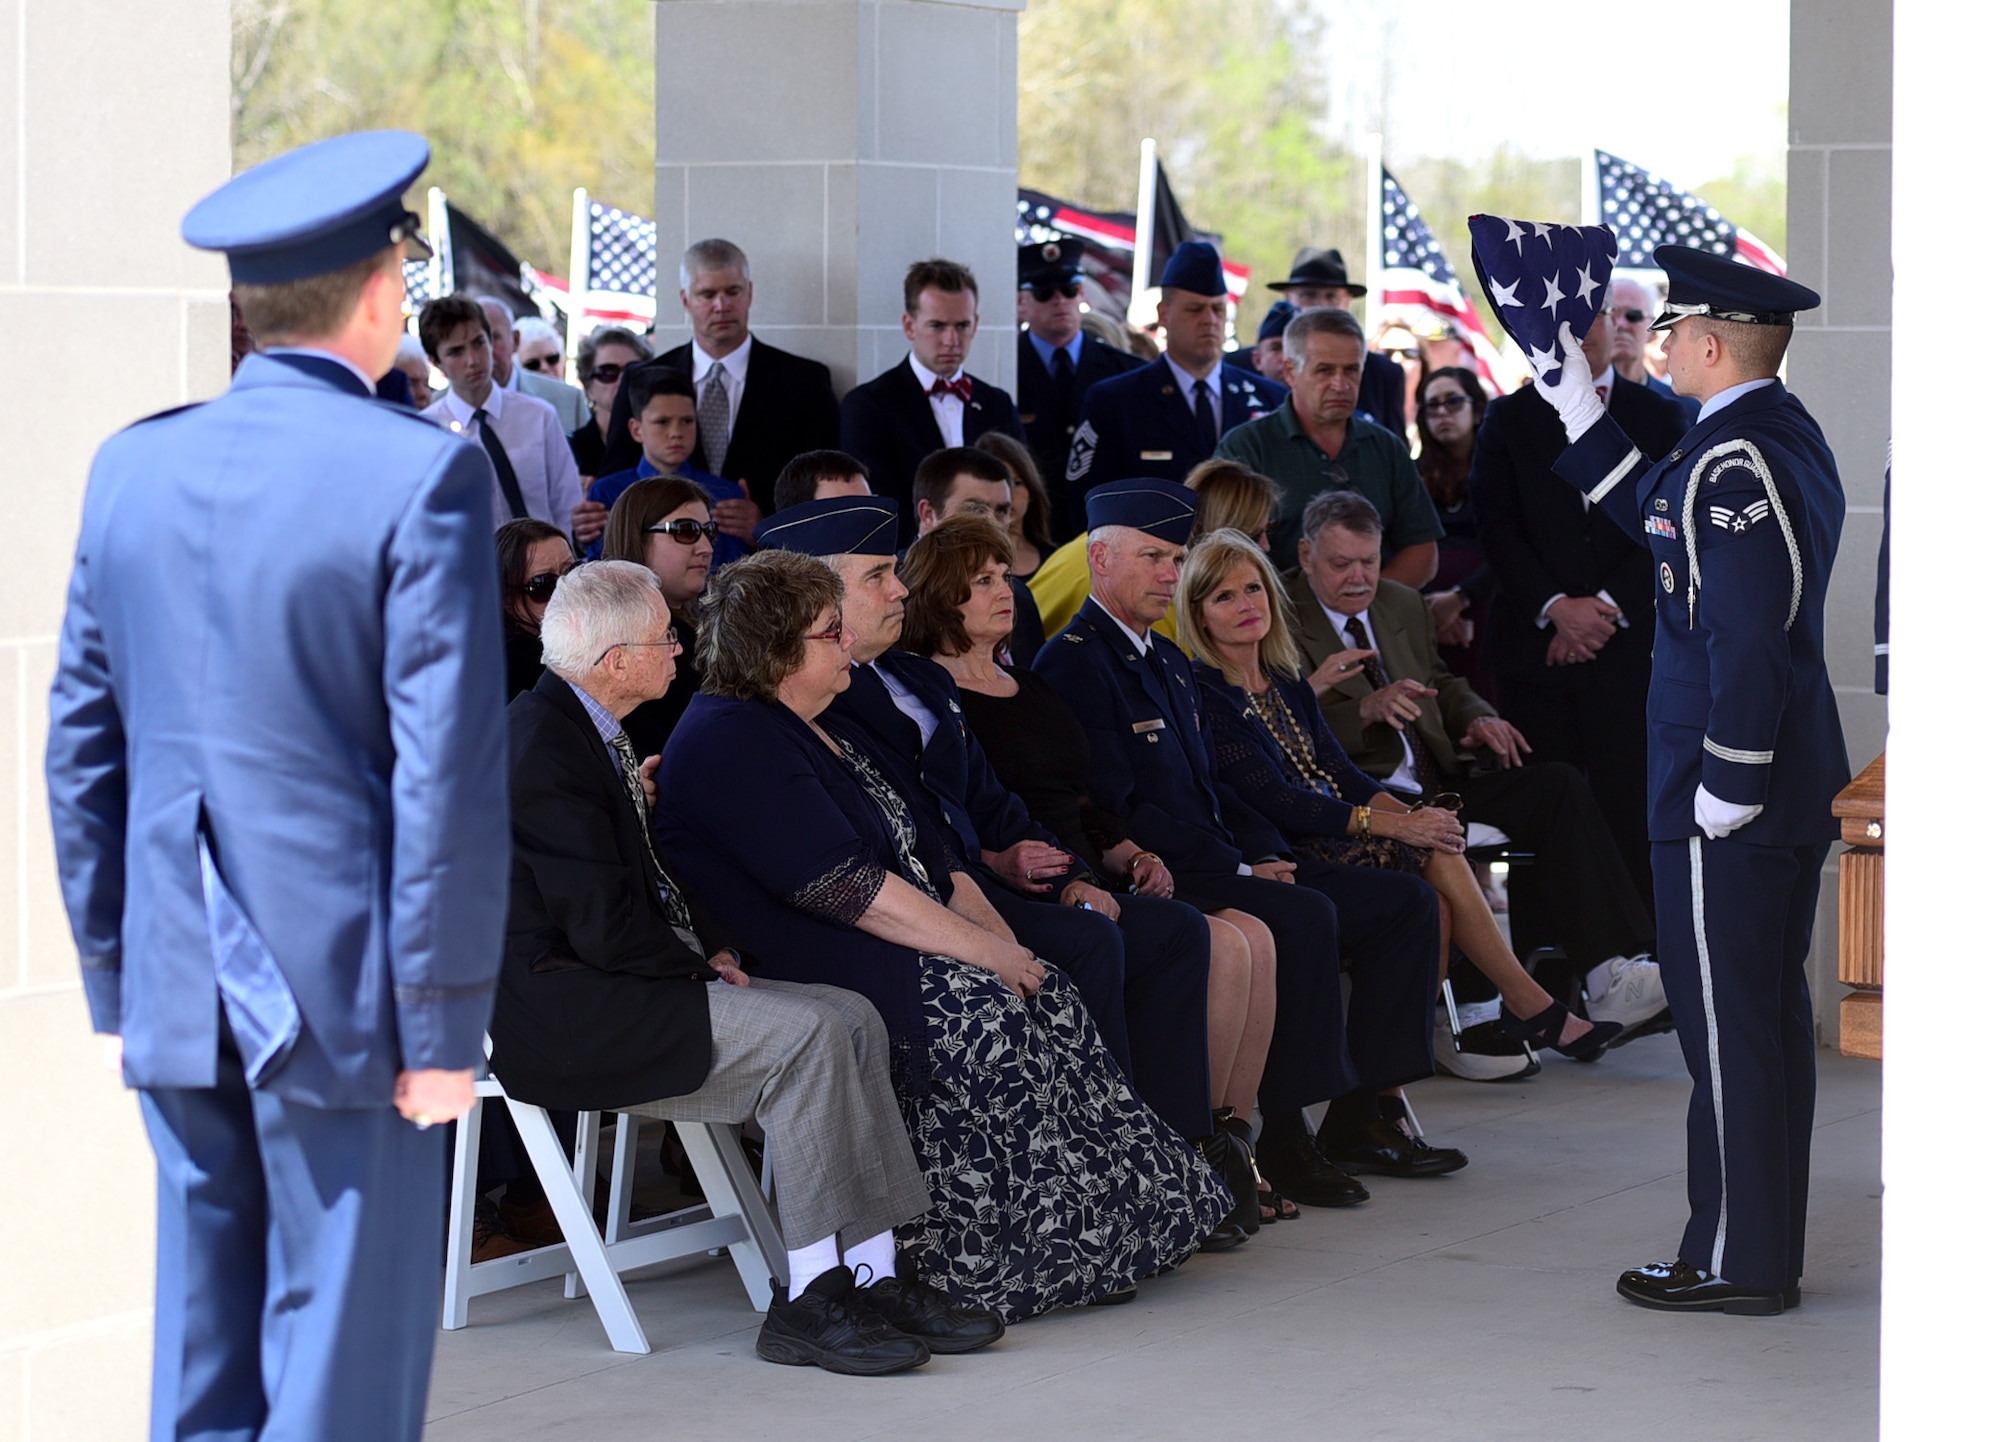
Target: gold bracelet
column 1361, row 814
column 1132, row 866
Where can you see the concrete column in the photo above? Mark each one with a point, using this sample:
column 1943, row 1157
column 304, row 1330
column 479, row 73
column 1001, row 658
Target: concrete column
column 1837, row 242
column 114, row 118
column 836, row 141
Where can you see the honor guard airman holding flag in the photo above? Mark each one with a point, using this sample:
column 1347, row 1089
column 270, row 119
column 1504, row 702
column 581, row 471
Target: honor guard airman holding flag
column 273, row 742
column 1744, row 750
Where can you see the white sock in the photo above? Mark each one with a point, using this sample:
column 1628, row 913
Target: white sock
column 877, row 1253
column 807, row 1264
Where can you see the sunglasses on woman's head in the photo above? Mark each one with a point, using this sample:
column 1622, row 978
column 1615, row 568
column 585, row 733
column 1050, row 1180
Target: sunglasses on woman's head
column 1046, row 290
column 685, row 530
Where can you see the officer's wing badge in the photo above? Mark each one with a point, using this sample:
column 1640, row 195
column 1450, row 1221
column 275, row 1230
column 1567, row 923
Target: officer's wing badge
column 1082, row 452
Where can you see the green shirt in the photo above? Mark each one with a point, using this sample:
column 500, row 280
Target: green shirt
column 1372, row 461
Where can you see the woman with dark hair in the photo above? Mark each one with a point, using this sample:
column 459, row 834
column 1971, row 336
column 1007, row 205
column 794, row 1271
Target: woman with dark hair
column 663, row 523
column 1028, row 527
column 602, row 359
column 1451, row 403
column 533, row 556
column 1052, row 1184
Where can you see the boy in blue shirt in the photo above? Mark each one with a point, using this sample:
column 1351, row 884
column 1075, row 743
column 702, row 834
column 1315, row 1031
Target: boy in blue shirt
column 663, row 423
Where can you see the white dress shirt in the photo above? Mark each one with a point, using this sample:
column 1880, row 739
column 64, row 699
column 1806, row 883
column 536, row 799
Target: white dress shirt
column 1404, row 777
column 735, row 368
column 948, row 408
column 532, row 436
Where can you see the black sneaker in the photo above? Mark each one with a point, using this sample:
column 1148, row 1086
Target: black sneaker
column 922, row 1311
column 831, row 1326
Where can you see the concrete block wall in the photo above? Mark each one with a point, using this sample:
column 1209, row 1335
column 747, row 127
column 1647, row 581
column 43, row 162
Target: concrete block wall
column 836, row 141
column 1837, row 241
column 114, row 118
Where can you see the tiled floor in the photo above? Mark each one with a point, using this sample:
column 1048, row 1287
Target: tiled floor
column 1472, row 1307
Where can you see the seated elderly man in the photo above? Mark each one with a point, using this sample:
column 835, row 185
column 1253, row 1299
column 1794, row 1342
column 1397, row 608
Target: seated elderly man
column 610, row 998
column 1405, row 719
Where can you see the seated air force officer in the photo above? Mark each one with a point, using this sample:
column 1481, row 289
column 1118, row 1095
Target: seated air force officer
column 1744, row 754
column 284, row 870
column 1154, row 765
column 610, row 998
column 1403, row 718
column 1165, row 418
column 572, row 410
column 534, row 471
column 928, row 400
column 1057, row 365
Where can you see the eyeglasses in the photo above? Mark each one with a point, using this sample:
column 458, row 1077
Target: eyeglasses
column 1438, row 405
column 541, row 586
column 1632, row 317
column 833, row 632
column 672, row 643
column 685, row 530
column 548, row 364
column 608, row 374
column 1443, row 801
column 1047, row 290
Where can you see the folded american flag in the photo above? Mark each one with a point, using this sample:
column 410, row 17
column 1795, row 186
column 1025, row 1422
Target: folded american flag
column 1538, row 274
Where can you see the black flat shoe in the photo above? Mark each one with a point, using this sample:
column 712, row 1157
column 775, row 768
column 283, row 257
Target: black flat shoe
column 1545, row 1028
column 1383, row 1149
column 1225, row 1238
column 1116, row 1299
column 1676, row 1287
column 1305, row 1176
column 919, row 1310
column 831, row 1327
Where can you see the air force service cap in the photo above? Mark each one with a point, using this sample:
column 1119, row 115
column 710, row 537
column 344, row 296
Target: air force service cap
column 1195, row 267
column 1275, row 320
column 315, row 209
column 1052, row 262
column 1699, row 282
column 836, row 526
column 1145, row 503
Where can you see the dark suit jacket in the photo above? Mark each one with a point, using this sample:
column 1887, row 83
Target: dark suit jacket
column 1406, row 637
column 788, row 408
column 600, row 1003
column 1050, row 420
column 1137, row 424
column 888, row 423
column 1382, row 394
column 1542, row 541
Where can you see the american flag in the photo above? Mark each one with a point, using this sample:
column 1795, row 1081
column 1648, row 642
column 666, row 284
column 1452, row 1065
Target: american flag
column 617, row 271
column 1110, row 239
column 1539, row 274
column 417, row 282
column 1416, row 275
column 1647, row 211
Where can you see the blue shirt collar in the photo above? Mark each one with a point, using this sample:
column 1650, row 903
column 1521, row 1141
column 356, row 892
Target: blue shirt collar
column 1722, row 398
column 1048, row 352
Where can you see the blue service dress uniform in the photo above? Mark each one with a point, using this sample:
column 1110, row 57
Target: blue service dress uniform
column 1139, row 424
column 1742, row 520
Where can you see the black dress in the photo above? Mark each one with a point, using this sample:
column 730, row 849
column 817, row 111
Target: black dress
column 524, row 661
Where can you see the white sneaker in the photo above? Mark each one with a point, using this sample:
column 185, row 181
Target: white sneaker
column 1472, row 1065
column 1625, row 989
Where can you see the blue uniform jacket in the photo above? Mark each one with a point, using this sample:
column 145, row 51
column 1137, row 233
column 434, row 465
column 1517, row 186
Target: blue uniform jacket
column 1152, row 760
column 277, row 749
column 1138, row 424
column 1743, row 520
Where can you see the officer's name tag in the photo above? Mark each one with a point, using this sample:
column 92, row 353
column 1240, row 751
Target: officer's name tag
column 1661, row 526
column 1141, row 727
column 1156, row 455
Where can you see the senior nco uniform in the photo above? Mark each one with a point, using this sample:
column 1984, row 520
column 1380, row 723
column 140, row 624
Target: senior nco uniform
column 1742, row 519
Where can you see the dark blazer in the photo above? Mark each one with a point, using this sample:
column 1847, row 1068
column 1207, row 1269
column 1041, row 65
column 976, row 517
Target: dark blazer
column 788, row 408
column 888, row 423
column 1050, row 420
column 1137, row 424
column 1153, row 761
column 600, row 1004
column 1541, row 540
column 1382, row 394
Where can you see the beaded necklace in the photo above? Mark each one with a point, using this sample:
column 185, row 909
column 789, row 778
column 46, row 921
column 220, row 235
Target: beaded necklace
column 1270, row 709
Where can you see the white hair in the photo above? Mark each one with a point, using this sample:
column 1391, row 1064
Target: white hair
column 533, row 327
column 409, row 348
column 596, row 607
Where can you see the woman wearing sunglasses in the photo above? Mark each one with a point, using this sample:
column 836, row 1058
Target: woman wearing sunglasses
column 601, row 362
column 533, row 556
column 663, row 523
column 1274, row 747
column 1450, row 405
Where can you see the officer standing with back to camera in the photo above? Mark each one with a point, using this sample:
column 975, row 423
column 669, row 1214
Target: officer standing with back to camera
column 273, row 735
column 1744, row 755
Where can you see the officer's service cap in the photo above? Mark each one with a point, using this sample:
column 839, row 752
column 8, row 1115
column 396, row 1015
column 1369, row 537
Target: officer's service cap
column 1051, row 262
column 315, row 209
column 1145, row 503
column 1700, row 282
column 1195, row 267
column 1275, row 320
column 836, row 526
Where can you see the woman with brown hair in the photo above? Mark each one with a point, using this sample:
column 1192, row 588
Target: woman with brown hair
column 533, row 556
column 1450, row 405
column 1028, row 525
column 663, row 523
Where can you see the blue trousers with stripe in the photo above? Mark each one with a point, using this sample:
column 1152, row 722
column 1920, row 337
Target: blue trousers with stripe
column 1736, row 923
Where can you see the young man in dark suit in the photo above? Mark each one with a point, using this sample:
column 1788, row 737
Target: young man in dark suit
column 926, row 401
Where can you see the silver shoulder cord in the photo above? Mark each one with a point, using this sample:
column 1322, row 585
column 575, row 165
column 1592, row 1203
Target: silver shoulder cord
column 1742, row 453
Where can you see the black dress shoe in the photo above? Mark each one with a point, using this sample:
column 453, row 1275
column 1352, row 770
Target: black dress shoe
column 1225, row 1238
column 920, row 1310
column 1297, row 1169
column 1677, row 1287
column 1790, row 1296
column 1116, row 1299
column 1386, row 1150
column 830, row 1326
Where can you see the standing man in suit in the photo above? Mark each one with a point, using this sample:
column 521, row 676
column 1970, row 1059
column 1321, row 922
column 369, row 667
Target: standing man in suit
column 272, row 738
column 1570, row 632
column 1164, row 419
column 1742, row 519
column 1405, row 719
column 926, row 401
column 1319, row 278
column 572, row 410
column 1057, row 364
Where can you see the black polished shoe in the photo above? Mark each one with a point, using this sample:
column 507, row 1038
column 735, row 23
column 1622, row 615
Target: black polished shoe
column 1225, row 1238
column 1297, row 1169
column 831, row 1326
column 1677, row 1287
column 1384, row 1149
column 920, row 1310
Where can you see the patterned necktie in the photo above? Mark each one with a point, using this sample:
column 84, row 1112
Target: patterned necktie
column 510, row 484
column 962, row 387
column 1421, row 762
column 635, row 790
column 1204, row 420
column 712, row 417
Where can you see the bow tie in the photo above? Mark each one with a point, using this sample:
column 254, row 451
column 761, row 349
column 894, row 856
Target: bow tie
column 962, row 387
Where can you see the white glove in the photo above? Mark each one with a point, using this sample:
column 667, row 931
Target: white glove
column 1718, row 817
column 1574, row 394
